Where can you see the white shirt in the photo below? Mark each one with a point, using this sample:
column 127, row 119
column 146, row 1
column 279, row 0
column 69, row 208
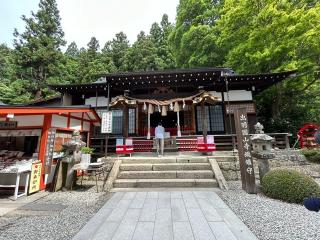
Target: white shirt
column 159, row 132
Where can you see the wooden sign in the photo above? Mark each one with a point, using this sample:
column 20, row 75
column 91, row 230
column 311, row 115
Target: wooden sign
column 35, row 177
column 106, row 122
column 244, row 150
column 49, row 149
column 9, row 124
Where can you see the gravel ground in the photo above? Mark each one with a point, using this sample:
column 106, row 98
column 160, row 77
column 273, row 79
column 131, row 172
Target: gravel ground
column 62, row 215
column 272, row 219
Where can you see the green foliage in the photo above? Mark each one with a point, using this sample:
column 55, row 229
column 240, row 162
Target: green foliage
column 14, row 92
column 87, row 150
column 249, row 36
column 193, row 40
column 256, row 37
column 290, row 186
column 117, row 49
column 312, row 155
column 37, row 49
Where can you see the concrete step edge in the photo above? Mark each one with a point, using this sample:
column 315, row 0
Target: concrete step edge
column 164, row 180
column 169, row 171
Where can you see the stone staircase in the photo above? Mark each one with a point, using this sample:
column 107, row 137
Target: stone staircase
column 153, row 172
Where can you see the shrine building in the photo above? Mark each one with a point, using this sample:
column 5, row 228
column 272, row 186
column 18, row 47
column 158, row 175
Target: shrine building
column 189, row 103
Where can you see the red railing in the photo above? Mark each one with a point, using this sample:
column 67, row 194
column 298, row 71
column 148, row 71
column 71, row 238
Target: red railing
column 185, row 130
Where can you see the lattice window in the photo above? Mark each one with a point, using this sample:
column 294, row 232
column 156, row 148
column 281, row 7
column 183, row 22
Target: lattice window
column 132, row 120
column 117, row 121
column 214, row 118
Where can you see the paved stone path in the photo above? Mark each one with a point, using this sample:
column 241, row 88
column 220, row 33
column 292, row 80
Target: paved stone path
column 176, row 215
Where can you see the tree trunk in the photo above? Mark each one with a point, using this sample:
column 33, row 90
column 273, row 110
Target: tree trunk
column 38, row 95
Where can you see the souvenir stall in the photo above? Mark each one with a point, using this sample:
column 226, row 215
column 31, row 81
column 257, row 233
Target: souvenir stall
column 32, row 137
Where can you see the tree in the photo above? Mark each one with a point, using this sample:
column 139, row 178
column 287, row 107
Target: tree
column 38, row 47
column 142, row 56
column 193, row 38
column 268, row 36
column 117, row 49
column 7, row 66
column 93, row 48
column 159, row 35
column 72, row 50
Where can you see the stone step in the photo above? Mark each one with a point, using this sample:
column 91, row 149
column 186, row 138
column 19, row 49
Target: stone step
column 165, row 160
column 148, row 160
column 198, row 174
column 193, row 159
column 156, row 183
column 165, row 166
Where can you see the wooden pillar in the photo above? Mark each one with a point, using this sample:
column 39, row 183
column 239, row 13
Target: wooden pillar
column 178, row 124
column 204, row 122
column 125, row 128
column 148, row 134
column 224, row 112
column 193, row 116
column 43, row 146
column 137, row 120
column 107, row 134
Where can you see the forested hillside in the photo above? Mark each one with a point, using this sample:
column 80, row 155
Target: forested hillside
column 251, row 36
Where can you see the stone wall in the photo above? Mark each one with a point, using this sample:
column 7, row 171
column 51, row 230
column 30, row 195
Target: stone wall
column 283, row 157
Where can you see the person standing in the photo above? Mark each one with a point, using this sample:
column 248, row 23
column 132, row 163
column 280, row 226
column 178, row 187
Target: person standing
column 159, row 135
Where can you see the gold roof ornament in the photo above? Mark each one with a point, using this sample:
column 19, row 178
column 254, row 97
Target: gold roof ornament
column 122, row 100
column 206, row 97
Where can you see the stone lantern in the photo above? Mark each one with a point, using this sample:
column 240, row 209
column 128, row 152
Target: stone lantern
column 262, row 149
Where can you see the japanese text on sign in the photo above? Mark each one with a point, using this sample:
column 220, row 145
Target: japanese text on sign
column 49, row 149
column 35, row 178
column 106, row 122
column 246, row 143
column 244, row 149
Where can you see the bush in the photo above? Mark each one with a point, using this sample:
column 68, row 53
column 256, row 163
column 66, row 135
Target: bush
column 289, row 185
column 312, row 155
column 87, row 150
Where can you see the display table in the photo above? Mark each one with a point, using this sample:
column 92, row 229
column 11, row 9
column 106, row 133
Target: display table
column 15, row 170
column 17, row 182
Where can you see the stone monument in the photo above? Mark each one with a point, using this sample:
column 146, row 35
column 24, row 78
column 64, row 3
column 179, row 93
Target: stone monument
column 73, row 156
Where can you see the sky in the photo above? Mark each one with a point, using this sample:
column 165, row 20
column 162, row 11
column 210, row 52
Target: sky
column 83, row 19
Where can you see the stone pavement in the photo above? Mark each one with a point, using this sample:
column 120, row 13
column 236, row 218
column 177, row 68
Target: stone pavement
column 176, row 215
column 7, row 204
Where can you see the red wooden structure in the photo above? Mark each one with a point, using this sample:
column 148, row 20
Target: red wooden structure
column 46, row 120
column 306, row 135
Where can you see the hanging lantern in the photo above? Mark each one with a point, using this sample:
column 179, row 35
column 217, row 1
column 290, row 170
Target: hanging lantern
column 176, row 107
column 144, row 106
column 183, row 104
column 171, row 106
column 164, row 111
column 150, row 109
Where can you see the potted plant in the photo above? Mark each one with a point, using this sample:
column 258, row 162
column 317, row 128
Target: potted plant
column 86, row 155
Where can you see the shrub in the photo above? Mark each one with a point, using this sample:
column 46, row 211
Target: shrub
column 87, row 150
column 312, row 155
column 289, row 185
